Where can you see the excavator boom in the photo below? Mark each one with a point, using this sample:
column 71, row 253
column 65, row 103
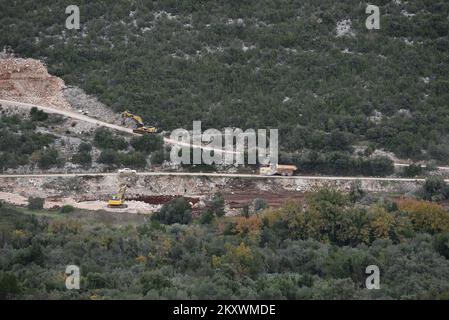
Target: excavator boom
column 141, row 128
column 137, row 119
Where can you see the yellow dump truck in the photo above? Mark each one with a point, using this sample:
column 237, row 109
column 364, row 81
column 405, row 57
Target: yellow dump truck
column 281, row 169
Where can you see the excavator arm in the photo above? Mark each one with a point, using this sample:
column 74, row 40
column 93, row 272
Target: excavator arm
column 141, row 128
column 137, row 119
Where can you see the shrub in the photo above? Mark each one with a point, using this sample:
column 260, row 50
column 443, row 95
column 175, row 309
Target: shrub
column 412, row 170
column 48, row 158
column 217, row 204
column 426, row 216
column 67, row 208
column 207, row 216
column 147, row 143
column 9, row 286
column 105, row 139
column 159, row 156
column 133, row 159
column 378, row 166
column 109, row 157
column 82, row 158
column 35, row 203
column 85, row 147
column 260, row 204
column 356, row 191
column 439, row 152
column 38, row 115
column 441, row 244
column 176, row 211
column 435, row 189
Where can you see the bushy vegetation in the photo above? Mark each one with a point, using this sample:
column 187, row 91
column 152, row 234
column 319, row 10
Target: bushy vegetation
column 256, row 64
column 111, row 143
column 147, row 143
column 20, row 145
column 48, row 158
column 316, row 249
column 339, row 163
column 83, row 157
column 67, row 209
column 176, row 211
column 38, row 115
column 106, row 139
column 412, row 170
column 435, row 189
column 36, row 203
column 131, row 159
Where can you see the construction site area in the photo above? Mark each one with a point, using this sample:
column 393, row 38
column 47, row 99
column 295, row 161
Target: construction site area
column 25, row 83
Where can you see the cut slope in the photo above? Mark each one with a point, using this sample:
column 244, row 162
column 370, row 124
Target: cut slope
column 27, row 80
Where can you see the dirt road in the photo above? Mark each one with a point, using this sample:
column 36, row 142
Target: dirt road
column 69, row 114
column 213, row 174
column 82, row 117
column 100, row 123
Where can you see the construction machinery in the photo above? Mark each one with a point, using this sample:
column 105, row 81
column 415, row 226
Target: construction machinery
column 281, row 169
column 141, row 128
column 118, row 200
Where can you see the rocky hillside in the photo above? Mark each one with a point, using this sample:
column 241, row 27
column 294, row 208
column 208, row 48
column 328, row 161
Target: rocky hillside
column 309, row 68
column 27, row 80
column 33, row 141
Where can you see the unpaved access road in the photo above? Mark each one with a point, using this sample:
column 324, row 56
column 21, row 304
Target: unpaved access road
column 214, row 174
column 78, row 116
column 75, row 115
column 67, row 113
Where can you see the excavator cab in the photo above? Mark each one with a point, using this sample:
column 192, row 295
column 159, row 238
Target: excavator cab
column 118, row 200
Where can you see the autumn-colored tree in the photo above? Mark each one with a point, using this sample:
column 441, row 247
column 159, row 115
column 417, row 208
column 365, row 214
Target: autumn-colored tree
column 381, row 223
column 250, row 225
column 426, row 216
column 239, row 257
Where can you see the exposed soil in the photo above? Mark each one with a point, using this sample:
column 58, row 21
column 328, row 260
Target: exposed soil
column 14, row 199
column 161, row 199
column 27, row 80
column 275, row 200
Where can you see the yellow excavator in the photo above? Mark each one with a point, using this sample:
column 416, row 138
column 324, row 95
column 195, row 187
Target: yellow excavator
column 141, row 128
column 118, row 200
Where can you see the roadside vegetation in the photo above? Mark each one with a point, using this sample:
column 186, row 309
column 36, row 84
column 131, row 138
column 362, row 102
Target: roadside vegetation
column 315, row 249
column 21, row 144
column 336, row 162
column 116, row 151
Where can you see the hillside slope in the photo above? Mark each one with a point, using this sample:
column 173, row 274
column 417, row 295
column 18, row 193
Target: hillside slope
column 255, row 64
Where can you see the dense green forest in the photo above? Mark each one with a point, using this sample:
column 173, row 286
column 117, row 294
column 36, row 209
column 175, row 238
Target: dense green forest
column 256, row 64
column 315, row 249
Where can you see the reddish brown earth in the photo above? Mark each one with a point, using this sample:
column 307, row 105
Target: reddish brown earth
column 275, row 200
column 161, row 199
